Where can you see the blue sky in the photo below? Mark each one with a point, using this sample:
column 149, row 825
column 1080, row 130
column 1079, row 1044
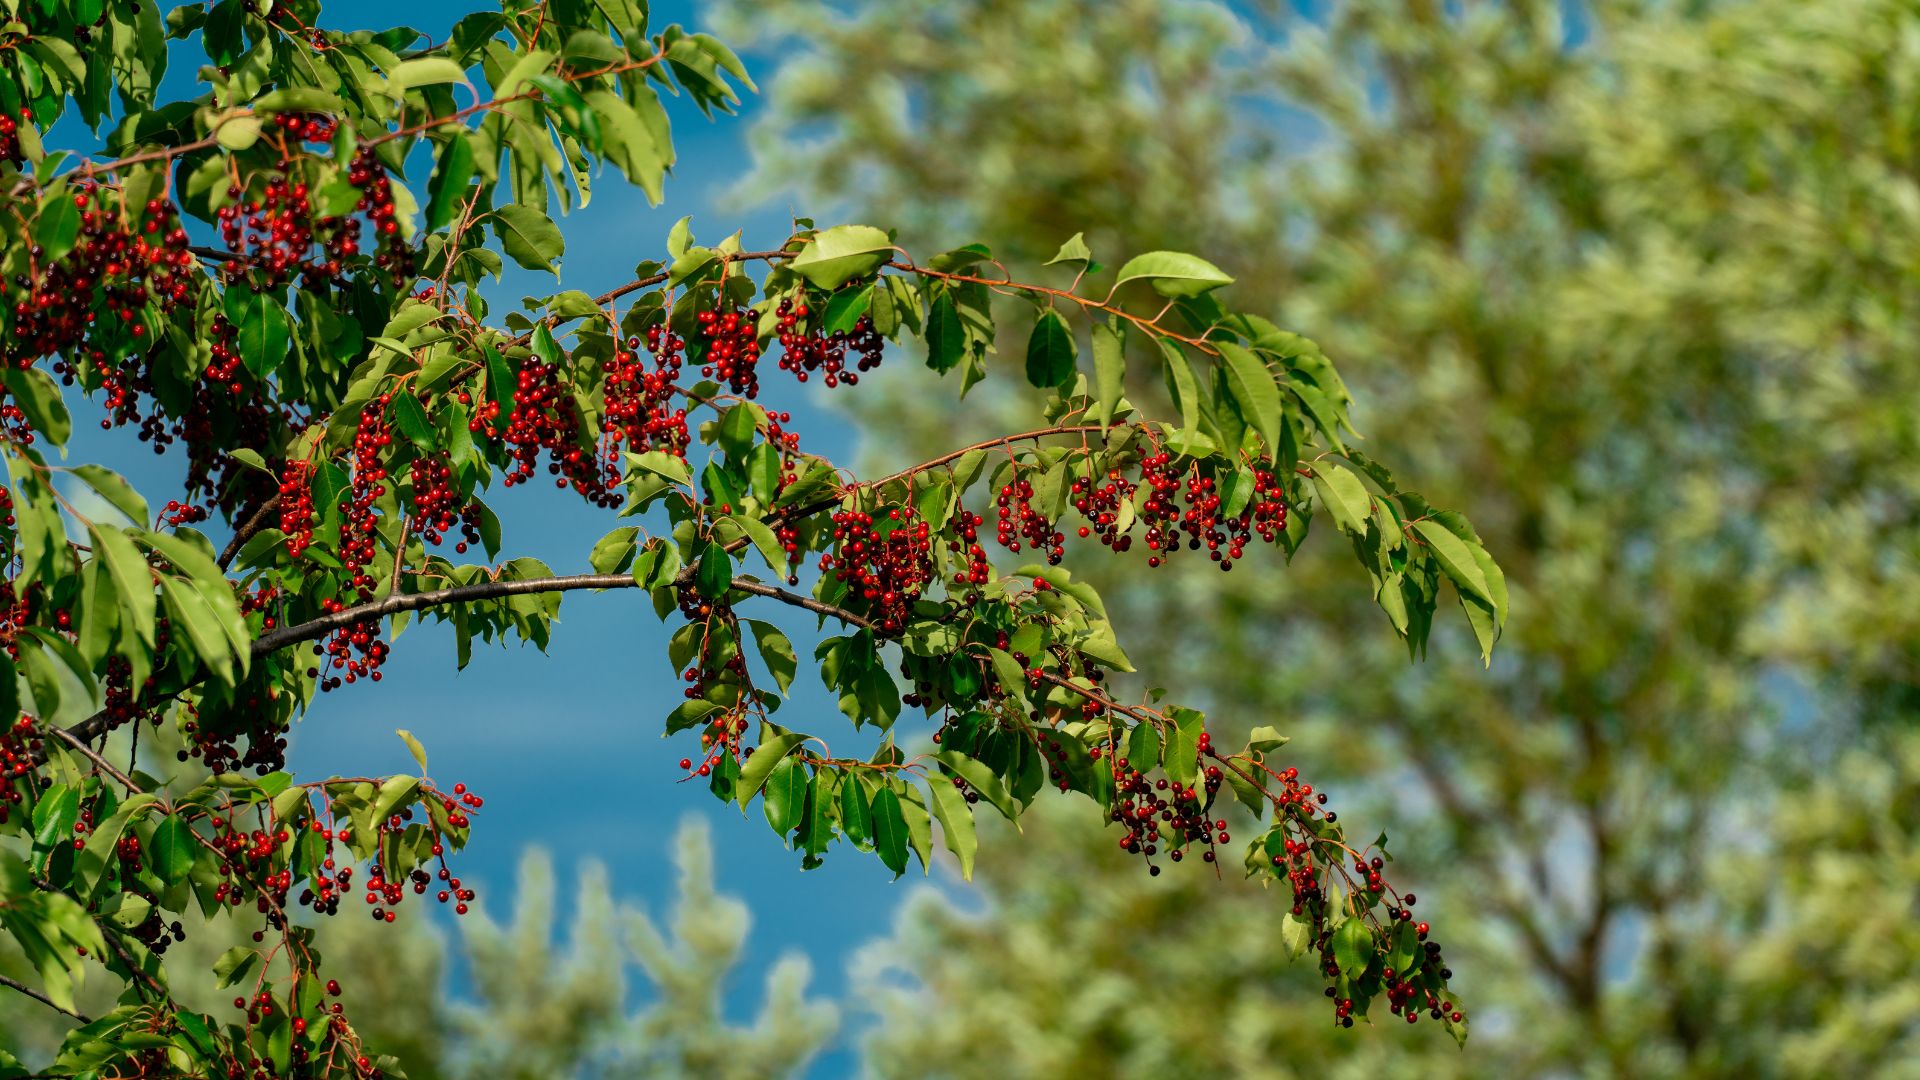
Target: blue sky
column 566, row 746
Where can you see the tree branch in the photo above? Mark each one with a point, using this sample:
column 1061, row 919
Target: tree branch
column 43, row 999
column 78, row 743
column 254, row 523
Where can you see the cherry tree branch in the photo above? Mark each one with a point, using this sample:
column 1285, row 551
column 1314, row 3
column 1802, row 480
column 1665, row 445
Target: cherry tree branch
column 42, row 999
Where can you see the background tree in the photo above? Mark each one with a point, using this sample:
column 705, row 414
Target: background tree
column 1648, row 267
column 249, row 275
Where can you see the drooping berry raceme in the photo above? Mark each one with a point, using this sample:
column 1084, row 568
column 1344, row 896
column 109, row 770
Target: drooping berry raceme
column 806, row 351
column 1019, row 521
column 643, row 411
column 298, row 515
column 439, row 505
column 545, row 419
column 885, row 561
column 732, row 349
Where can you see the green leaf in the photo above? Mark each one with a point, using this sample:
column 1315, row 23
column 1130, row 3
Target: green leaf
column 1075, row 250
column 1173, row 273
column 1296, row 933
column 1353, row 947
column 395, row 793
column 114, row 488
column 662, row 464
column 261, row 329
column 1182, row 387
column 1143, row 747
column 37, row 395
column 956, row 822
column 1050, row 351
column 714, row 572
column 188, row 609
column 982, row 779
column 57, row 227
column 172, row 849
column 132, row 579
column 238, row 133
column 1264, row 738
column 425, row 71
column 1180, row 757
column 233, row 965
column 890, row 831
column 614, row 551
column 451, row 175
column 856, row 817
column 412, row 421
column 1254, row 391
column 1012, row 677
column 413, row 747
column 528, row 236
column 755, row 770
column 946, row 339
column 845, row 307
column 1109, row 371
column 1456, row 559
column 739, row 426
column 775, row 651
column 842, row 253
column 1344, row 496
column 785, row 794
column 54, row 815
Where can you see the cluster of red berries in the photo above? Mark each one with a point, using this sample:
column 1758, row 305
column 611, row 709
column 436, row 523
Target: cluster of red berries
column 1099, row 502
column 123, row 260
column 731, row 343
column 640, row 413
column 178, row 513
column 307, row 127
column 805, row 351
column 21, row 746
column 272, row 238
column 438, row 504
column 122, row 705
column 376, row 201
column 964, row 529
column 11, row 151
column 1201, row 524
column 214, row 736
column 355, row 650
column 546, row 419
column 298, row 515
column 1020, row 521
column 1150, row 809
column 887, row 563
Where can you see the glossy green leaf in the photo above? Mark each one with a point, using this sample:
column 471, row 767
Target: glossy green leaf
column 1254, row 391
column 890, row 831
column 261, row 329
column 528, row 236
column 39, row 397
column 755, row 770
column 956, row 822
column 842, row 253
column 1173, row 273
column 1050, row 351
column 785, row 794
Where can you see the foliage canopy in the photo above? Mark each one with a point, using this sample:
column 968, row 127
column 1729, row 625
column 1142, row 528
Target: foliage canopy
column 252, row 275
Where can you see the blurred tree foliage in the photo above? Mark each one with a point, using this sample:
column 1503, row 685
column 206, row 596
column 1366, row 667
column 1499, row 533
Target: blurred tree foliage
column 1660, row 264
column 525, row 1009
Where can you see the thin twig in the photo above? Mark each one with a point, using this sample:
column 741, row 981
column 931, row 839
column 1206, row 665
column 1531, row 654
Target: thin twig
column 43, row 999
